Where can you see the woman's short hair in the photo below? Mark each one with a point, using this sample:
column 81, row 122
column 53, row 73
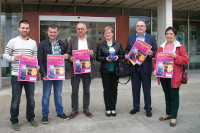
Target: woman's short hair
column 108, row 28
column 171, row 28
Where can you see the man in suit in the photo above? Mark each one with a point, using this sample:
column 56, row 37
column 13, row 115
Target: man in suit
column 79, row 43
column 142, row 73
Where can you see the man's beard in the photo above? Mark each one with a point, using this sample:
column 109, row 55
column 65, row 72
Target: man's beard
column 24, row 34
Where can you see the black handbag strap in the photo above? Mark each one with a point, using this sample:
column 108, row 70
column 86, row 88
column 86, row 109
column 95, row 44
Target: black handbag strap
column 126, row 81
column 183, row 67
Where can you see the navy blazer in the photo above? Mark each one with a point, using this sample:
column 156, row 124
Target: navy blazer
column 147, row 64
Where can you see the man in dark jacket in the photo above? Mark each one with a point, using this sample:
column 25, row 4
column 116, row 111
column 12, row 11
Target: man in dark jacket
column 142, row 73
column 80, row 43
column 52, row 46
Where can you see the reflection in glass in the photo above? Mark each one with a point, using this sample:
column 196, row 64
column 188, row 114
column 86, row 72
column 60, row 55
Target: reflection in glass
column 194, row 45
column 154, row 29
column 182, row 34
column 9, row 30
column 194, row 60
column 195, row 36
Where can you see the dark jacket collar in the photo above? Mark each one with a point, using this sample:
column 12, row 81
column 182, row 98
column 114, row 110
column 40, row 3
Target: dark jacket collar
column 105, row 43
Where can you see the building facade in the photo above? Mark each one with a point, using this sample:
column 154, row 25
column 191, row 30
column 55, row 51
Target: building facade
column 122, row 15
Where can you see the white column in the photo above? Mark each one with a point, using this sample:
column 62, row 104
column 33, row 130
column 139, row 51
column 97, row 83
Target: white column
column 0, row 48
column 164, row 17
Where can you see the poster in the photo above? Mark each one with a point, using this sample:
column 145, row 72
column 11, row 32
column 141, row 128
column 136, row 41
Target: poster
column 164, row 65
column 138, row 52
column 82, row 61
column 27, row 68
column 55, row 67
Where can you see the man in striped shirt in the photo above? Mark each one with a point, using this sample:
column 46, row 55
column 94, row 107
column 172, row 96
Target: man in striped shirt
column 14, row 49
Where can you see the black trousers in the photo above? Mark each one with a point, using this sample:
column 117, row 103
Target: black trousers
column 110, row 85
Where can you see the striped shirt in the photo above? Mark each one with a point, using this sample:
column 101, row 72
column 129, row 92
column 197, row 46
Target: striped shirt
column 19, row 46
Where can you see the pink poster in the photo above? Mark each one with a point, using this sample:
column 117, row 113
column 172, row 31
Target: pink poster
column 164, row 65
column 138, row 52
column 55, row 67
column 27, row 68
column 82, row 61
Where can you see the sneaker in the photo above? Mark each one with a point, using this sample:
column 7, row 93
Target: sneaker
column 44, row 119
column 87, row 113
column 33, row 123
column 63, row 116
column 73, row 114
column 15, row 127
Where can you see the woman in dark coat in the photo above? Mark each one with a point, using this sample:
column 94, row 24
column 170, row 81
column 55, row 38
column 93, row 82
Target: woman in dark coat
column 107, row 69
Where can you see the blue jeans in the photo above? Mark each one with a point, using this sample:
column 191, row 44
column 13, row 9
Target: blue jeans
column 16, row 95
column 57, row 87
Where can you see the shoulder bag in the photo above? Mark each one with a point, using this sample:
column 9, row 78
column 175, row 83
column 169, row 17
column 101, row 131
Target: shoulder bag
column 124, row 69
column 184, row 79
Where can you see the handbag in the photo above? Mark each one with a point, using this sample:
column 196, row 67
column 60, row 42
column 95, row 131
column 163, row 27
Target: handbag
column 124, row 69
column 184, row 79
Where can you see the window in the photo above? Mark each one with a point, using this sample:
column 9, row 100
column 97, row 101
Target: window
column 9, row 30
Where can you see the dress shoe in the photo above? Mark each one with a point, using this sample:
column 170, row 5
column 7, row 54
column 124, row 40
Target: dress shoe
column 113, row 113
column 73, row 114
column 108, row 114
column 172, row 124
column 148, row 113
column 134, row 111
column 164, row 118
column 87, row 113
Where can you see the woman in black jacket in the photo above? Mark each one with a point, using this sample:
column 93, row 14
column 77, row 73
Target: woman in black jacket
column 107, row 69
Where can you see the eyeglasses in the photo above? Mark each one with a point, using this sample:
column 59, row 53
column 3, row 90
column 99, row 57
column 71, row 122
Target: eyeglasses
column 80, row 29
column 140, row 26
column 107, row 33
